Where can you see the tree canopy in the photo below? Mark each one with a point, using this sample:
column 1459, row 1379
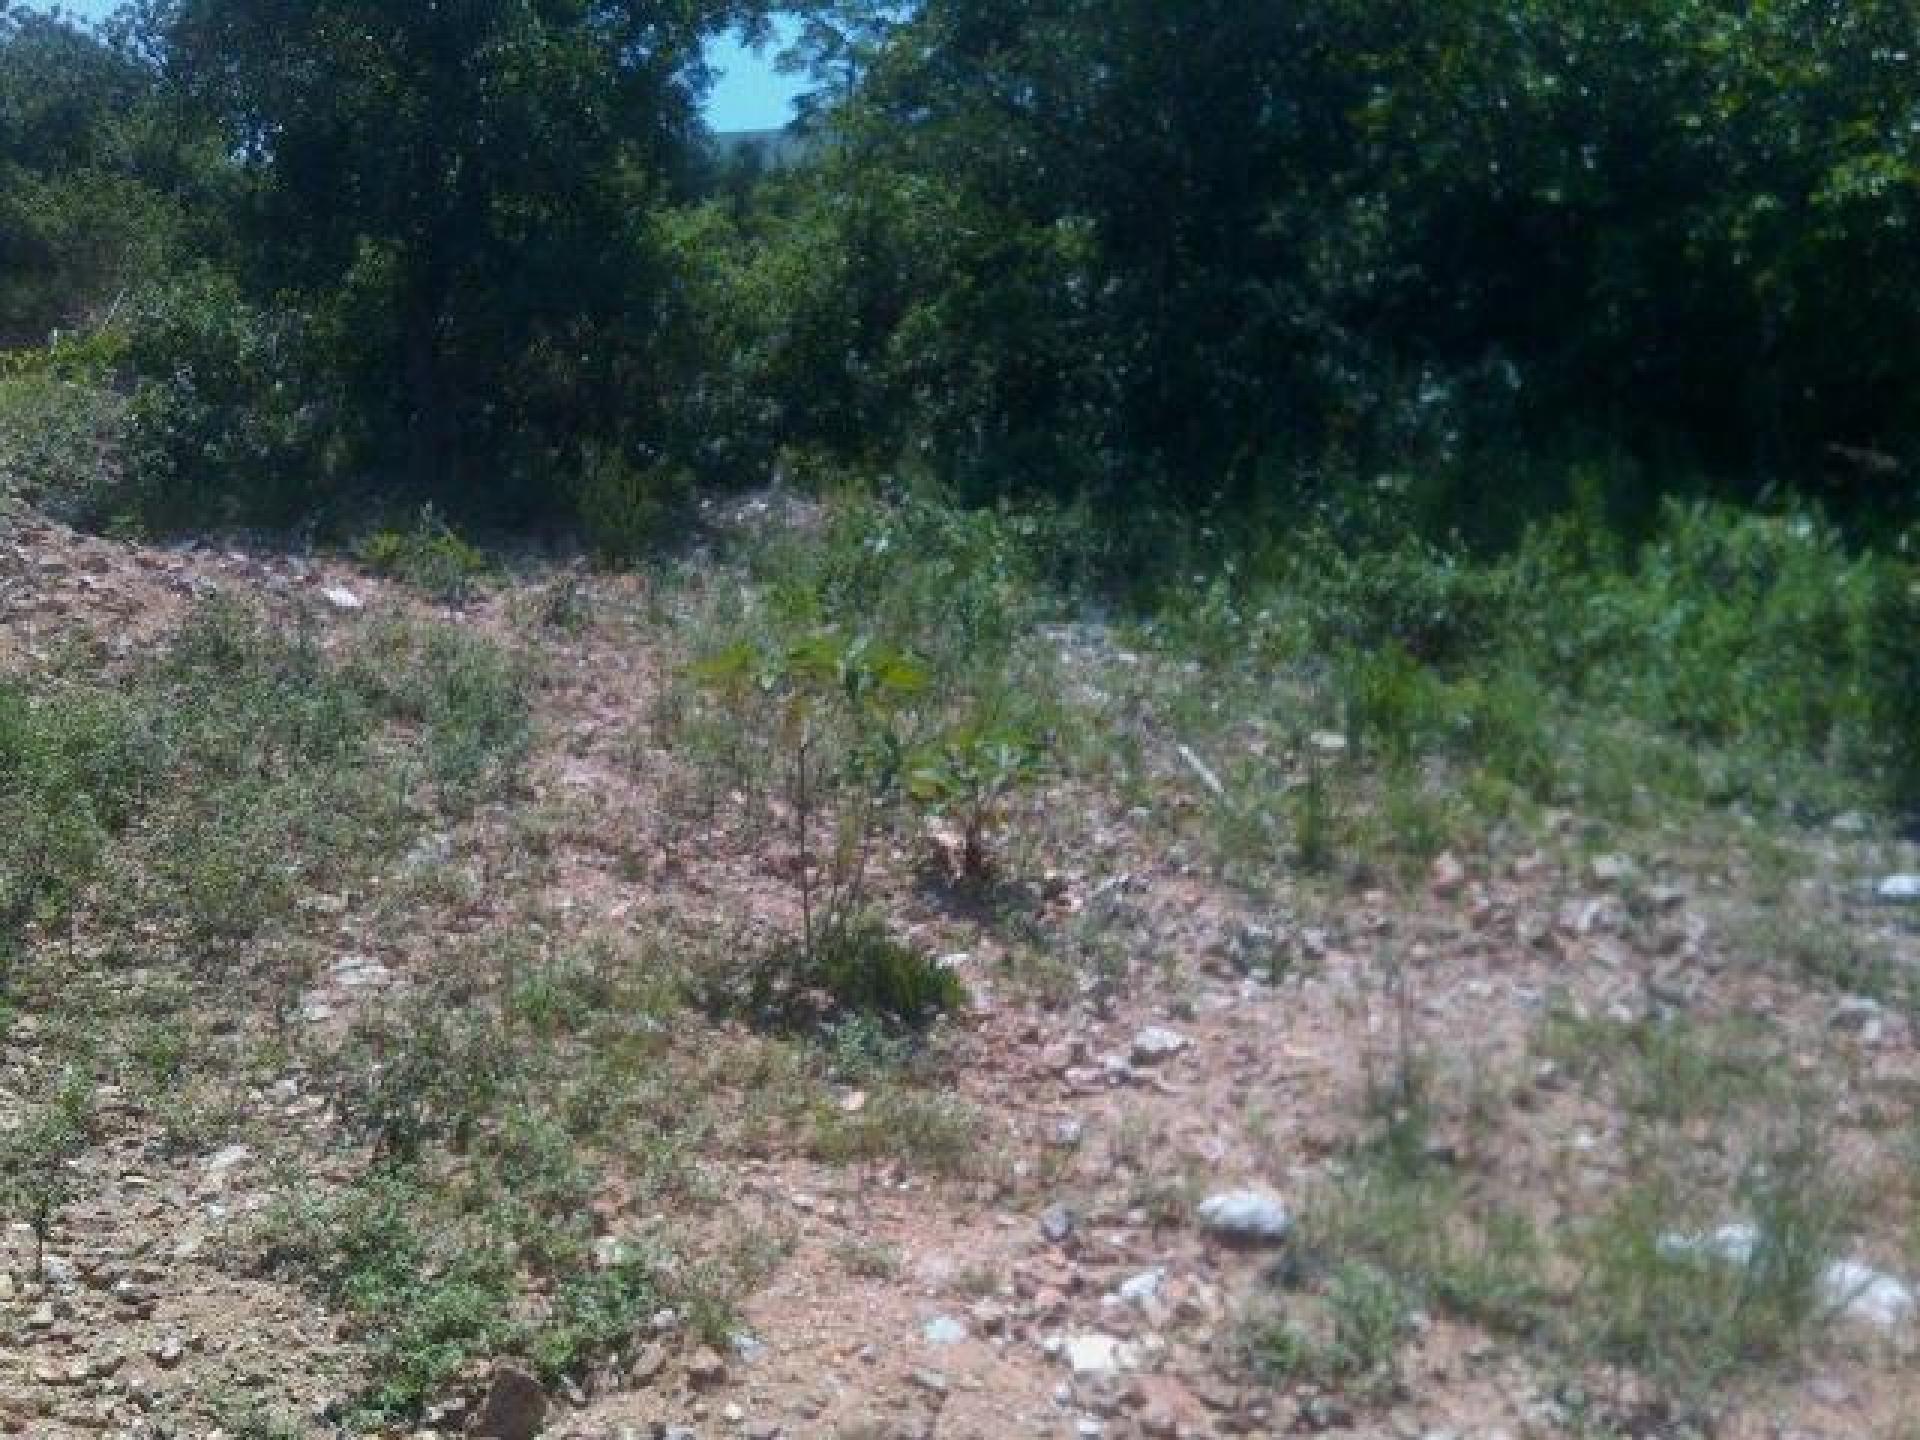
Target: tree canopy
column 1201, row 255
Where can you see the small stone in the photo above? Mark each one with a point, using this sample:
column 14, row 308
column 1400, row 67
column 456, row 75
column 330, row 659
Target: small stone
column 1860, row 1293
column 647, row 1365
column 225, row 1162
column 1155, row 1044
column 944, row 1330
column 1730, row 1245
column 733, row 1414
column 705, row 1369
column 931, row 1381
column 1899, row 889
column 342, row 599
column 515, row 1406
column 1057, row 1224
column 169, row 1352
column 1246, row 1215
column 1448, row 877
column 1141, row 1288
column 1097, row 1354
column 745, row 1346
column 1612, row 869
column 1855, row 1013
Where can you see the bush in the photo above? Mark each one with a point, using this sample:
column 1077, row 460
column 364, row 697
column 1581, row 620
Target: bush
column 866, row 971
column 430, row 556
column 624, row 507
column 61, row 444
column 1760, row 634
column 224, row 427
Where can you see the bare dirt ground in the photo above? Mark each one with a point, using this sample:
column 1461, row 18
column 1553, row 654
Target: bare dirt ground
column 1061, row 1284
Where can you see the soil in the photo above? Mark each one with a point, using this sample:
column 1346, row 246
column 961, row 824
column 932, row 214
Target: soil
column 1292, row 1004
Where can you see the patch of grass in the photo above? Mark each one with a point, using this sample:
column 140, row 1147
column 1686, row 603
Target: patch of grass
column 868, row 1259
column 428, row 555
column 1346, row 1334
column 1666, row 1294
column 1664, row 1067
column 936, row 1133
column 180, row 810
column 466, row 698
column 855, row 972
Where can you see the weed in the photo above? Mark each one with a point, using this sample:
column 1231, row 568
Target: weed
column 868, row 1259
column 1349, row 1338
column 968, row 773
column 936, row 1133
column 1689, row 1306
column 36, row 1181
column 428, row 555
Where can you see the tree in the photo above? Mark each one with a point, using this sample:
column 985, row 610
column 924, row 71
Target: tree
column 1213, row 252
column 457, row 190
column 92, row 182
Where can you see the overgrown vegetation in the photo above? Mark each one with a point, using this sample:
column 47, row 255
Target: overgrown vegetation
column 1292, row 450
column 188, row 807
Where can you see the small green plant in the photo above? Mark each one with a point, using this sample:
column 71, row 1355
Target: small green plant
column 624, row 505
column 968, row 774
column 35, row 1180
column 842, row 708
column 429, row 555
column 868, row 1259
column 1348, row 1334
column 563, row 603
column 937, row 1133
column 1390, row 701
column 1314, row 819
column 866, row 971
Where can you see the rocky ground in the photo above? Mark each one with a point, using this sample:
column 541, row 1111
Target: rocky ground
column 1149, row 1132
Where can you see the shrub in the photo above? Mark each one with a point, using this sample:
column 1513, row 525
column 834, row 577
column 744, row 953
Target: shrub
column 224, row 424
column 430, row 556
column 624, row 506
column 866, row 971
column 61, row 444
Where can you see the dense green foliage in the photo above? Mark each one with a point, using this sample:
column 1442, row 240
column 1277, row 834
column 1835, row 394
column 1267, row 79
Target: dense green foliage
column 1207, row 253
column 1350, row 292
column 1227, row 251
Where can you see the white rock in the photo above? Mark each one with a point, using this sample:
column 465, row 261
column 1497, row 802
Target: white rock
column 1850, row 1290
column 944, row 1330
column 1143, row 1287
column 1157, row 1043
column 1246, row 1215
column 1856, row 1013
column 228, row 1159
column 1612, row 869
column 342, row 599
column 1098, row 1354
column 1730, row 1244
column 746, row 1346
column 1899, row 889
column 1859, row 1292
